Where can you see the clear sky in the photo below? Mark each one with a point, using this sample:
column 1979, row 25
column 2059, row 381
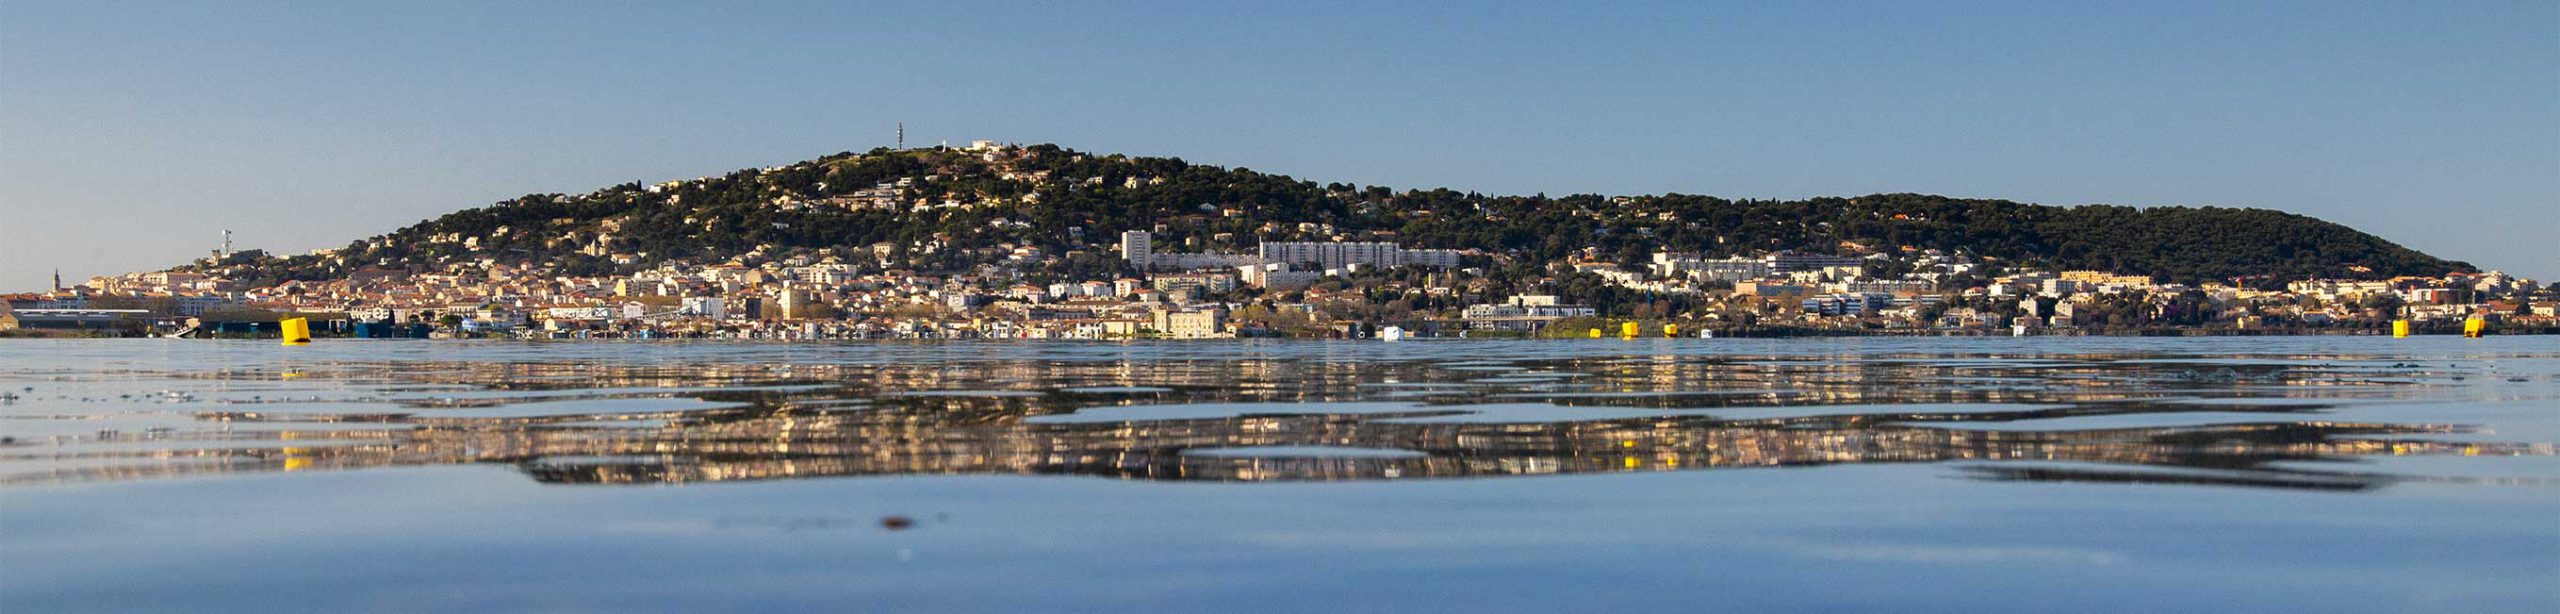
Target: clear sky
column 131, row 134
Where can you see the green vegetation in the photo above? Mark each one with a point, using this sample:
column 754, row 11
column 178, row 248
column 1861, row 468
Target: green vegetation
column 1062, row 201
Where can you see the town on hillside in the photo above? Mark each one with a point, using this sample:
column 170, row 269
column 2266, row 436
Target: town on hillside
column 1285, row 289
column 1171, row 280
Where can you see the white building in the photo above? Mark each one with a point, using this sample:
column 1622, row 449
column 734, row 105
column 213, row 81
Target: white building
column 1201, row 324
column 1276, row 277
column 1886, row 286
column 1790, row 262
column 1667, row 264
column 1333, row 255
column 706, row 306
column 1138, row 248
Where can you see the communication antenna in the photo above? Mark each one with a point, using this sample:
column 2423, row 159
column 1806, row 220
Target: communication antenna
column 902, row 135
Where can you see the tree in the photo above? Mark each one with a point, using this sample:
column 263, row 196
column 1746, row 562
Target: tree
column 2383, row 304
column 1030, row 198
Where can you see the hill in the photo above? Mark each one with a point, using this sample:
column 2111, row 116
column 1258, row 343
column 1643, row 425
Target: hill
column 944, row 209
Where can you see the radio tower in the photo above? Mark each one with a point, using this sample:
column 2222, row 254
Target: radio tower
column 902, row 135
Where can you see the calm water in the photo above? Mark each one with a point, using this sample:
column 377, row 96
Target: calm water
column 2258, row 474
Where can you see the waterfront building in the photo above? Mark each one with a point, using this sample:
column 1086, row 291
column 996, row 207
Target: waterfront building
column 1522, row 313
column 1199, row 324
column 1847, row 303
column 79, row 318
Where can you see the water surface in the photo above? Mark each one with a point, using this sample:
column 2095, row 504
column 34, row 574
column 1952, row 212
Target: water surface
column 2259, row 474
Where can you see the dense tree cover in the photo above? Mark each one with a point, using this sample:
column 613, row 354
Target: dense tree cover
column 961, row 206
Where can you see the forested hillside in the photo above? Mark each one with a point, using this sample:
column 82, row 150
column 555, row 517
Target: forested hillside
column 948, row 210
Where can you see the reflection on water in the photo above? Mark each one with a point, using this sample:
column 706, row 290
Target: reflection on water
column 675, row 414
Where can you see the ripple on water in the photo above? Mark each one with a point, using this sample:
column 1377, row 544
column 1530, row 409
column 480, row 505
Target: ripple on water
column 1218, row 411
column 1301, row 452
column 966, row 393
column 1115, row 389
column 583, row 407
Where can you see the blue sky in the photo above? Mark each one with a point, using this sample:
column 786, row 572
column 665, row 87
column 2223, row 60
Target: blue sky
column 130, row 134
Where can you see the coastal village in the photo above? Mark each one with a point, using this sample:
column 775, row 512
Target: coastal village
column 1287, row 289
column 1168, row 281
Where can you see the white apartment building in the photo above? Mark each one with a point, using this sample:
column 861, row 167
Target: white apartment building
column 1138, row 247
column 706, row 306
column 1668, row 264
column 1334, row 255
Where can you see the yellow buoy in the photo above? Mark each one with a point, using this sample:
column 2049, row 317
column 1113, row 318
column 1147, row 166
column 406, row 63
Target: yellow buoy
column 1629, row 330
column 297, row 331
column 2400, row 328
column 2475, row 326
column 1595, row 333
column 1671, row 331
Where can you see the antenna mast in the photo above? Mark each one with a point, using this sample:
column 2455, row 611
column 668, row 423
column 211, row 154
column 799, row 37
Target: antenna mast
column 902, row 135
